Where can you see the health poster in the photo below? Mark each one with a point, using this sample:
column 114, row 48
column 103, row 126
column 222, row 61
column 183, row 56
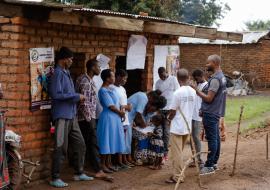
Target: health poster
column 41, row 68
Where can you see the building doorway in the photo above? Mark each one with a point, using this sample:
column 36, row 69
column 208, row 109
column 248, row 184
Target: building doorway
column 134, row 82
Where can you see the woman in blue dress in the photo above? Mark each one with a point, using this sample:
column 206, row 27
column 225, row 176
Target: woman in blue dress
column 110, row 131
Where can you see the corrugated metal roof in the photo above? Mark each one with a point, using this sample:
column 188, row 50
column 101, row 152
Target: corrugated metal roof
column 248, row 38
column 46, row 3
column 108, row 12
column 79, row 8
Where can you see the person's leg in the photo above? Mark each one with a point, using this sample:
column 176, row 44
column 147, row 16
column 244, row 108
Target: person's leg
column 60, row 151
column 166, row 134
column 218, row 145
column 210, row 123
column 85, row 130
column 176, row 154
column 196, row 130
column 93, row 147
column 77, row 145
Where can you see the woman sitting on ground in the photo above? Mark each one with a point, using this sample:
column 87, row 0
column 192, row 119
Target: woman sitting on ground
column 143, row 141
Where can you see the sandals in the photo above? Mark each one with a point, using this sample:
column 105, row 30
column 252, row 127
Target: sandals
column 58, row 183
column 171, row 180
column 106, row 178
column 107, row 171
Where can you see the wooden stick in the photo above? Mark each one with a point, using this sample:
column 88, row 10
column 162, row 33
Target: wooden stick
column 237, row 136
column 193, row 155
column 267, row 144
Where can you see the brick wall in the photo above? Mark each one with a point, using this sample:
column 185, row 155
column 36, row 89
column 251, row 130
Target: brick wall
column 17, row 35
column 246, row 58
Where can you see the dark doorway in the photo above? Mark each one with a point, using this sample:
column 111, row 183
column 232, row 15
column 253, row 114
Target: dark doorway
column 77, row 67
column 134, row 82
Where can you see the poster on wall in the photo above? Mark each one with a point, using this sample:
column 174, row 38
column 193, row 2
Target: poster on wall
column 136, row 52
column 168, row 57
column 41, row 67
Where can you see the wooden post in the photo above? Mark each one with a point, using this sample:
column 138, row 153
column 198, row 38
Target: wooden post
column 237, row 136
column 194, row 155
column 267, row 144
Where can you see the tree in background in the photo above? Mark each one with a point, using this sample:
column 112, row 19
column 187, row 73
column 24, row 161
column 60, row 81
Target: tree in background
column 258, row 25
column 201, row 12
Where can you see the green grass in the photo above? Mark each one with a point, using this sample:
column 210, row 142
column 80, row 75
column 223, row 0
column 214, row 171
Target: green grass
column 254, row 106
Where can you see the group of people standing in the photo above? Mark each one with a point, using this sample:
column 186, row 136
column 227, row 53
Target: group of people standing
column 141, row 129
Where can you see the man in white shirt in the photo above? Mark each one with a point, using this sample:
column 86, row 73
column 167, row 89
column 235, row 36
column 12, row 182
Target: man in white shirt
column 183, row 101
column 198, row 76
column 167, row 84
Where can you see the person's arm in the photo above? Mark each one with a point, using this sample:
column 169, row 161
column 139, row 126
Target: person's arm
column 176, row 83
column 139, row 119
column 213, row 88
column 173, row 107
column 81, row 88
column 57, row 92
column 108, row 102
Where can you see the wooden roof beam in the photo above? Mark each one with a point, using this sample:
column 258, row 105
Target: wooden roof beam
column 169, row 28
column 207, row 33
column 230, row 36
column 99, row 21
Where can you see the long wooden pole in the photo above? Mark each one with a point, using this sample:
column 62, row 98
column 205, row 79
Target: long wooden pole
column 237, row 137
column 193, row 155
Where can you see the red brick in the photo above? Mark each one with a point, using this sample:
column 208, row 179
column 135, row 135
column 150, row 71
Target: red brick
column 19, row 37
column 11, row 61
column 12, row 28
column 18, row 69
column 4, row 20
column 77, row 42
column 4, row 52
column 18, row 53
column 4, row 36
column 35, row 39
column 19, row 20
column 12, row 44
column 3, row 69
column 42, row 32
column 52, row 33
column 57, row 40
column 30, row 30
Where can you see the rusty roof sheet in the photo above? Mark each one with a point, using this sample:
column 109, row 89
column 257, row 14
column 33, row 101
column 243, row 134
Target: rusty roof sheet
column 81, row 9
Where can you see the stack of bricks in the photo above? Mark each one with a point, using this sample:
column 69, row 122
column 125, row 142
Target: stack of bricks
column 235, row 57
column 17, row 35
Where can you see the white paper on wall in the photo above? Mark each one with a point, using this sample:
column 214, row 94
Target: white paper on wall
column 136, row 52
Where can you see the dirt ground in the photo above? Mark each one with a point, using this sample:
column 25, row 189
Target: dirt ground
column 253, row 170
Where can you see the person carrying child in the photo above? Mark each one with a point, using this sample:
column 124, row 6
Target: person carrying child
column 156, row 144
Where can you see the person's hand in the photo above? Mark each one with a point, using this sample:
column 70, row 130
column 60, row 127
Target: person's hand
column 122, row 114
column 149, row 134
column 129, row 107
column 192, row 85
column 82, row 97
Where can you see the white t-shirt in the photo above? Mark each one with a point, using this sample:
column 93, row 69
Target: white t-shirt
column 122, row 100
column 183, row 99
column 167, row 87
column 198, row 103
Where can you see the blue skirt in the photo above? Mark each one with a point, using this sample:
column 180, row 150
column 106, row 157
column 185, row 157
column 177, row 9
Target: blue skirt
column 110, row 133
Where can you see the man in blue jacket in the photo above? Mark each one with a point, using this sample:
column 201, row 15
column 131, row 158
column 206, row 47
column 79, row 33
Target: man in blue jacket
column 64, row 100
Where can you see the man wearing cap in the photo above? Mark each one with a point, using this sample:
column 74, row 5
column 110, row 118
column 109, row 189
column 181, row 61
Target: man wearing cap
column 64, row 100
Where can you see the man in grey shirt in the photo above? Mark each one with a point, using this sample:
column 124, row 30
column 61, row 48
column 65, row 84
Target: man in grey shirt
column 213, row 107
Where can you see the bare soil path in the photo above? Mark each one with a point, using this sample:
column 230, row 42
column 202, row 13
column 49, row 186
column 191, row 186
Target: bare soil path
column 253, row 170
